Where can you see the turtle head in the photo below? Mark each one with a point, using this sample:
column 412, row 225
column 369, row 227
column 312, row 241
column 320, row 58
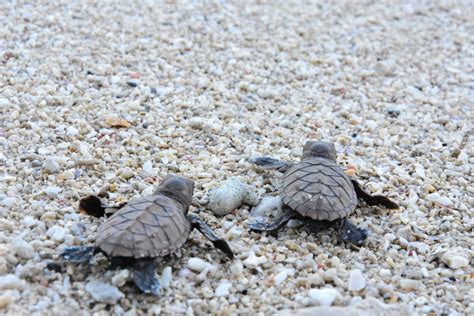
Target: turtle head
column 178, row 188
column 319, row 149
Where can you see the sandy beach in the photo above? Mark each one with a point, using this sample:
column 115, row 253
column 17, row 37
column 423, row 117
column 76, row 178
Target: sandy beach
column 109, row 97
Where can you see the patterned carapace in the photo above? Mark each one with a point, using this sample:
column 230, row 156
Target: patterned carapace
column 152, row 226
column 319, row 189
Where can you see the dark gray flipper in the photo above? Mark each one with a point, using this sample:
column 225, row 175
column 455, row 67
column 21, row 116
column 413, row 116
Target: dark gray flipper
column 373, row 199
column 144, row 276
column 277, row 224
column 78, row 254
column 350, row 233
column 271, row 163
column 200, row 225
column 93, row 206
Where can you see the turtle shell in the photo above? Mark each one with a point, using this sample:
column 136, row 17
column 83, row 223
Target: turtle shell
column 152, row 226
column 319, row 189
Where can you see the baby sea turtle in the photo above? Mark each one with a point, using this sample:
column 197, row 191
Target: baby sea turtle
column 146, row 228
column 317, row 191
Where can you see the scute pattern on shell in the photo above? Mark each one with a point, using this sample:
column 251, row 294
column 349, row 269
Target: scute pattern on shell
column 152, row 226
column 318, row 188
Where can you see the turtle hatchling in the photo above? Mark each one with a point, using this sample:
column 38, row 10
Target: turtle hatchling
column 145, row 228
column 318, row 192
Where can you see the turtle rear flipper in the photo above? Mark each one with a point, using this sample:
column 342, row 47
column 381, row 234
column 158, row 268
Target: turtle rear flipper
column 350, row 233
column 78, row 254
column 144, row 277
column 277, row 224
column 373, row 199
column 271, row 163
column 221, row 244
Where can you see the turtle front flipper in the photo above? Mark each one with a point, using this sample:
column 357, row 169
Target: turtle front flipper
column 200, row 225
column 271, row 163
column 93, row 206
column 350, row 233
column 277, row 224
column 78, row 254
column 373, row 199
column 144, row 276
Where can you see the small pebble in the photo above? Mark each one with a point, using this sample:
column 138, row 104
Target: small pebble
column 409, row 285
column 72, row 131
column 6, row 299
column 52, row 191
column 223, row 289
column 199, row 265
column 441, row 200
column 50, row 166
column 315, row 279
column 116, row 122
column 148, row 167
column 237, row 268
column 4, row 249
column 43, row 151
column 324, row 297
column 77, row 229
column 29, row 221
column 56, row 233
column 120, row 278
column 69, row 174
column 11, row 282
column 9, row 202
column 166, row 277
column 103, row 292
column 454, row 260
column 184, row 273
column 280, row 277
column 356, row 280
column 4, row 102
column 23, row 249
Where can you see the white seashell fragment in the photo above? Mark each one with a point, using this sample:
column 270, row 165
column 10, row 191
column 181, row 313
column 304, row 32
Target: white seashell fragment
column 230, row 195
column 253, row 261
